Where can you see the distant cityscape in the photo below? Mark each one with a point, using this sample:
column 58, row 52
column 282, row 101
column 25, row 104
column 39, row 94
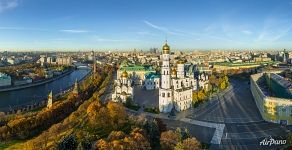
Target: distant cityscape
column 145, row 74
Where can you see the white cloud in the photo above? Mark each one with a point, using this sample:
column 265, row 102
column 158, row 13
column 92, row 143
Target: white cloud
column 163, row 29
column 274, row 29
column 74, row 31
column 247, row 32
column 8, row 4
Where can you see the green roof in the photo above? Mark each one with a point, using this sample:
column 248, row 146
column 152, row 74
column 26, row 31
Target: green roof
column 152, row 75
column 230, row 64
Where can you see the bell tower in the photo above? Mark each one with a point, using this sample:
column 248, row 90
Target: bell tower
column 165, row 92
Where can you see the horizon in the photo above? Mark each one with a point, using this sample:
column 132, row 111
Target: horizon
column 127, row 25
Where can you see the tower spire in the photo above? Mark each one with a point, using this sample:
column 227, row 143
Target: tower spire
column 50, row 100
column 76, row 88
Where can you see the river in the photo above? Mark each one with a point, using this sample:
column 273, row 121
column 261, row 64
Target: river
column 39, row 93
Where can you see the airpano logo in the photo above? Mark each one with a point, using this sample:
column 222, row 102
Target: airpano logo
column 269, row 141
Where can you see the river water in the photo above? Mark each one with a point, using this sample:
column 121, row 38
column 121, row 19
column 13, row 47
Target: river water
column 38, row 93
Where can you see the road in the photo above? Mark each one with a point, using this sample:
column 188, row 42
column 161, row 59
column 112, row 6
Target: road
column 108, row 91
column 236, row 109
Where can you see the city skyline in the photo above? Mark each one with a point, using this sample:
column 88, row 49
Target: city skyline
column 125, row 25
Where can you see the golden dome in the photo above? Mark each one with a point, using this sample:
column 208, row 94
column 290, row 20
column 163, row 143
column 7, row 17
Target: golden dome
column 173, row 71
column 165, row 48
column 125, row 74
column 180, row 61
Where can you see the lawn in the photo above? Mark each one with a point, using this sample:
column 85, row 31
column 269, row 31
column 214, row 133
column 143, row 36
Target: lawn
column 5, row 145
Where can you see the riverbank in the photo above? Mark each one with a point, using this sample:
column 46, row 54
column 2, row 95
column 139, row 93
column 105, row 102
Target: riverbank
column 36, row 83
column 43, row 102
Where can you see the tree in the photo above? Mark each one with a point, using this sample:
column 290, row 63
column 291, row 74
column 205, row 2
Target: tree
column 116, row 135
column 222, row 85
column 195, row 97
column 168, row 140
column 179, row 146
column 2, row 114
column 213, row 81
column 151, row 127
column 289, row 140
column 139, row 137
column 117, row 140
column 102, row 145
column 85, row 144
column 226, row 80
column 161, row 125
column 68, row 143
column 191, row 144
column 92, row 110
column 117, row 113
column 201, row 95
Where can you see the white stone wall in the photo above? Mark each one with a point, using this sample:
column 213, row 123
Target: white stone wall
column 183, row 99
column 151, row 84
column 165, row 100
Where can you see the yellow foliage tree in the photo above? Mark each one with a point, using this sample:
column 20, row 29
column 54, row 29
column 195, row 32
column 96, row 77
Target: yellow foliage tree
column 117, row 113
column 168, row 139
column 191, row 144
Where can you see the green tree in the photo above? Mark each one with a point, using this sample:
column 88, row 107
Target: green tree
column 68, row 143
column 289, row 139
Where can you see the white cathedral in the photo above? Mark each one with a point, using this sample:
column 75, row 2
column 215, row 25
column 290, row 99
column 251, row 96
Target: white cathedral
column 123, row 89
column 176, row 88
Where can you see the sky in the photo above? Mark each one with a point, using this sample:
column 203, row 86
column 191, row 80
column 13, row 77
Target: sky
column 142, row 24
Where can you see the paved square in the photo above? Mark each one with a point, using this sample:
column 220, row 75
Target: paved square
column 147, row 98
column 234, row 106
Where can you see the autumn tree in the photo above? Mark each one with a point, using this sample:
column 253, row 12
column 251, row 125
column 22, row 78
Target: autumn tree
column 117, row 113
column 213, row 81
column 102, row 145
column 168, row 140
column 191, row 144
column 117, row 140
column 93, row 110
column 178, row 140
column 116, row 135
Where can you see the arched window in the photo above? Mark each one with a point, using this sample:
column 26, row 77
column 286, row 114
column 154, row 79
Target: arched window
column 168, row 94
column 163, row 94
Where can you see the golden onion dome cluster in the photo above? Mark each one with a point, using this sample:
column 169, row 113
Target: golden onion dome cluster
column 125, row 74
column 166, row 49
column 173, row 71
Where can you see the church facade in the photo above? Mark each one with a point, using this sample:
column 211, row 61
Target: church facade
column 123, row 89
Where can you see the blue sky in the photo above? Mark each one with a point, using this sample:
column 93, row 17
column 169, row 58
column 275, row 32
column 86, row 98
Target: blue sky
column 142, row 24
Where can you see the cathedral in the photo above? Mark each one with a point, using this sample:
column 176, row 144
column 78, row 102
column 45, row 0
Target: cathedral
column 176, row 88
column 123, row 88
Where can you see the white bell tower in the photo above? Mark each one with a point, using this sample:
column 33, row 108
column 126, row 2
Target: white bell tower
column 165, row 92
